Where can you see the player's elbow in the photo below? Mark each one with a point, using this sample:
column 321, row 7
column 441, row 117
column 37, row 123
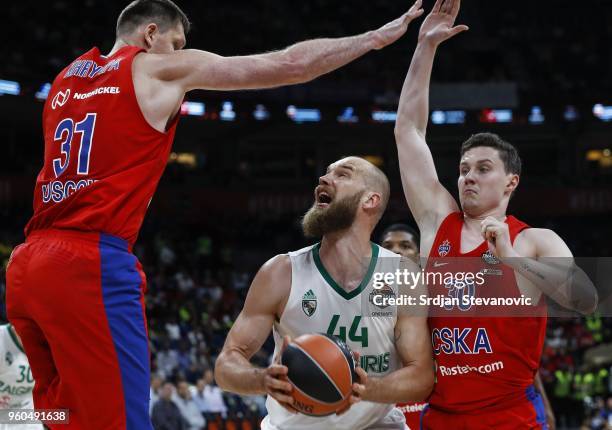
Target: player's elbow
column 588, row 304
column 220, row 371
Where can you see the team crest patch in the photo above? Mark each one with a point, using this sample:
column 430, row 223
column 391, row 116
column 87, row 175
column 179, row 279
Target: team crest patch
column 309, row 303
column 444, row 248
column 489, row 258
column 386, row 292
column 8, row 358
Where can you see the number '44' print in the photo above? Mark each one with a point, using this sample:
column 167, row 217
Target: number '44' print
column 352, row 335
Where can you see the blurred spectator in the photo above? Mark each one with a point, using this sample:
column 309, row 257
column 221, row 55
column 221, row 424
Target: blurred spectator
column 189, row 410
column 166, row 415
column 156, row 384
column 209, row 398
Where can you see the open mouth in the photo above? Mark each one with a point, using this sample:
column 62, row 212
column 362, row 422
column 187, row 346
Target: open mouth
column 323, row 199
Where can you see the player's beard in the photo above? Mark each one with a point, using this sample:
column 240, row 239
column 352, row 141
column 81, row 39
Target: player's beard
column 338, row 216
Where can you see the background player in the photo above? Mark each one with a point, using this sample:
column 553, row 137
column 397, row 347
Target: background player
column 109, row 122
column 489, row 174
column 404, row 240
column 349, row 201
column 401, row 239
column 16, row 381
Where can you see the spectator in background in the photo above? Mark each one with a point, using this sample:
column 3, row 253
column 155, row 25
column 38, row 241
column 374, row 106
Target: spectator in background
column 156, row 383
column 209, row 398
column 188, row 408
column 166, row 415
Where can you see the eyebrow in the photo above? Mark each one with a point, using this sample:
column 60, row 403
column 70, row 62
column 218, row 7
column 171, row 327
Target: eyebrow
column 478, row 162
column 343, row 166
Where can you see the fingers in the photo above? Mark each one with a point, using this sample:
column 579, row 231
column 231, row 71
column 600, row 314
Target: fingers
column 276, row 370
column 446, row 6
column 363, row 376
column 458, row 29
column 438, row 6
column 455, row 8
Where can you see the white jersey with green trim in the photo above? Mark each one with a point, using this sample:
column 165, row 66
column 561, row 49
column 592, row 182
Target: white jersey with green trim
column 317, row 304
column 16, row 381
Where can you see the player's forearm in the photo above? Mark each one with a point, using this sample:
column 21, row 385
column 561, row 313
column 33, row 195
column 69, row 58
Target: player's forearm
column 565, row 283
column 413, row 109
column 409, row 384
column 234, row 373
column 320, row 56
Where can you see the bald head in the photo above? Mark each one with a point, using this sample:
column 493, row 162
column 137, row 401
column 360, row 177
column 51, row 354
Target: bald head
column 374, row 179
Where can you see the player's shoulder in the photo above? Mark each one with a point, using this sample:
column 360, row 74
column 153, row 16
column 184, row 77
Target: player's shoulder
column 541, row 242
column 302, row 251
column 276, row 268
column 537, row 235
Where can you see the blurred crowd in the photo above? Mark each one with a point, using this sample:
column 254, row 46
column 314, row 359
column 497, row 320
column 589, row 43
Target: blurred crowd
column 552, row 48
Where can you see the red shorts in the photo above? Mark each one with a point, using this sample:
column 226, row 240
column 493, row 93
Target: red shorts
column 77, row 302
column 528, row 415
column 412, row 412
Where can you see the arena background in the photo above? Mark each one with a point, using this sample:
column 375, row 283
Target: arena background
column 245, row 163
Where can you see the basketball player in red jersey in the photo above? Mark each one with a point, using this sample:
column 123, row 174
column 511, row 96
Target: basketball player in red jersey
column 75, row 290
column 404, row 240
column 485, row 366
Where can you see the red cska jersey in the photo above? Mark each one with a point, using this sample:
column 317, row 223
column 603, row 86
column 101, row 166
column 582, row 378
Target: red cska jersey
column 485, row 358
column 102, row 158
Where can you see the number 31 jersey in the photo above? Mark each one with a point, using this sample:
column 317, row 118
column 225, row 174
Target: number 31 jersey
column 102, row 158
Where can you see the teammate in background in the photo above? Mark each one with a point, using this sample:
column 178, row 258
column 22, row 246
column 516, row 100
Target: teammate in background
column 108, row 124
column 322, row 288
column 16, row 381
column 485, row 366
column 404, row 240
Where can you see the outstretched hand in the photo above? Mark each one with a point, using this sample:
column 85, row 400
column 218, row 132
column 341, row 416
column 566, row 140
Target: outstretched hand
column 438, row 26
column 390, row 32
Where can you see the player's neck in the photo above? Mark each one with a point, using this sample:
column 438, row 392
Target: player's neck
column 120, row 43
column 346, row 255
column 473, row 220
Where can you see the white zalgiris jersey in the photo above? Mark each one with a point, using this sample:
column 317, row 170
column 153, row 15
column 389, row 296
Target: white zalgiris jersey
column 16, row 381
column 317, row 304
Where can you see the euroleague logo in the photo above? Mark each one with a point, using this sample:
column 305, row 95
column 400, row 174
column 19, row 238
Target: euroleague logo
column 60, row 99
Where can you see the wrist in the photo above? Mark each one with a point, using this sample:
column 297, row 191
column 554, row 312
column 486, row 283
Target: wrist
column 259, row 376
column 427, row 42
column 373, row 40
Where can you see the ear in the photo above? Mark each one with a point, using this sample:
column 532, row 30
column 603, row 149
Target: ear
column 513, row 181
column 150, row 32
column 372, row 201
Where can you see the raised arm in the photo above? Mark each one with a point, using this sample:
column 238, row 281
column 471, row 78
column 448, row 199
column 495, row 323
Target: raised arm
column 302, row 62
column 427, row 198
column 233, row 370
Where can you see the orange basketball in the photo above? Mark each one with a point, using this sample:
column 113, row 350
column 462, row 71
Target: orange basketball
column 322, row 372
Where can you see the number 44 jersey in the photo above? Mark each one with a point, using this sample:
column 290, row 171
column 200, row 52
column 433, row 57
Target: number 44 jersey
column 102, row 158
column 317, row 304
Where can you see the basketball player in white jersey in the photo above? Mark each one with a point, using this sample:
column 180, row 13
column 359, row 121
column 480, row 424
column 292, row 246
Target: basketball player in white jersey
column 16, row 381
column 323, row 288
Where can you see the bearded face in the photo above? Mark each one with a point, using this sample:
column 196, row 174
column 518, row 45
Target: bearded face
column 328, row 215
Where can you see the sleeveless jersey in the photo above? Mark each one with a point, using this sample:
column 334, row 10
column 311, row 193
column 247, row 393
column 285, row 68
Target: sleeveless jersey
column 102, row 158
column 317, row 304
column 16, row 381
column 484, row 363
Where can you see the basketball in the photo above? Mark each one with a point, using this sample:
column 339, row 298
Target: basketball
column 322, row 372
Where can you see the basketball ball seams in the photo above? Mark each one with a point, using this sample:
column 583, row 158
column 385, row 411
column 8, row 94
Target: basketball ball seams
column 348, row 365
column 323, row 371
